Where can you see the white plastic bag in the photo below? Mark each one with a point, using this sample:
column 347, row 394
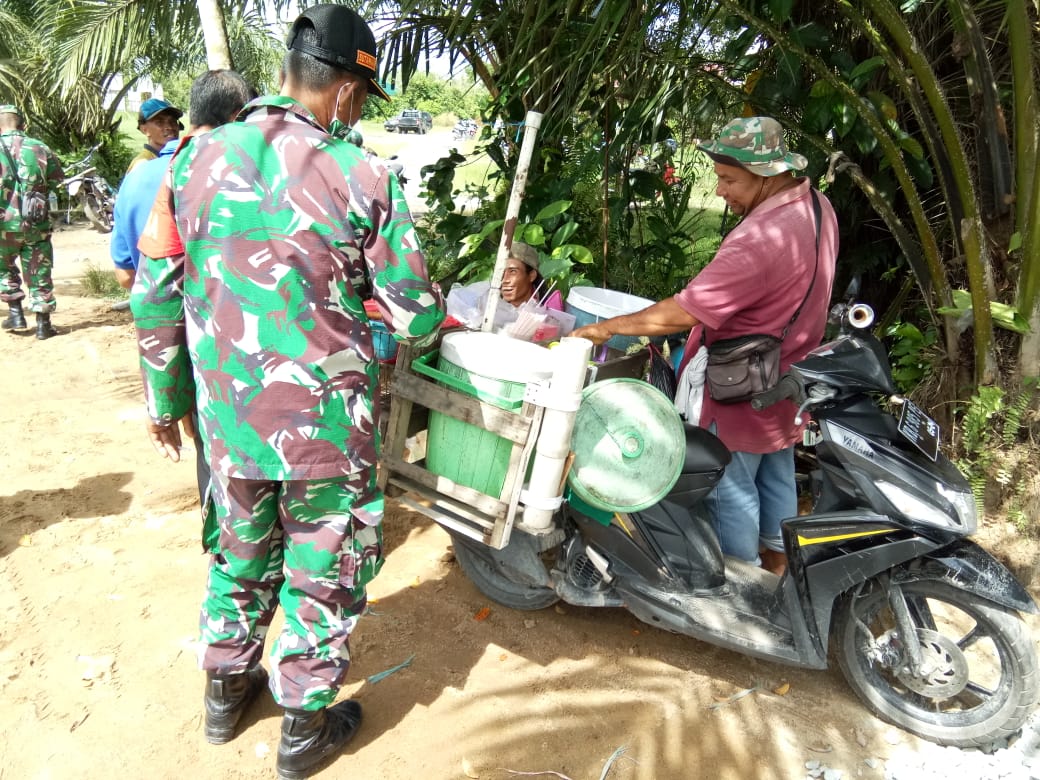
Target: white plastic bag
column 689, row 395
column 466, row 303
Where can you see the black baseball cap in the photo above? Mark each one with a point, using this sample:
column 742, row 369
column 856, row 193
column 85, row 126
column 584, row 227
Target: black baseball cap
column 344, row 40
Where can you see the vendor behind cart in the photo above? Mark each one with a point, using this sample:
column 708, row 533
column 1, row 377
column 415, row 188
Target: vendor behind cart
column 521, row 279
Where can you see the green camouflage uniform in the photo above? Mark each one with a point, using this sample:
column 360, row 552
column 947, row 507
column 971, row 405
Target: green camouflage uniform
column 260, row 324
column 39, row 171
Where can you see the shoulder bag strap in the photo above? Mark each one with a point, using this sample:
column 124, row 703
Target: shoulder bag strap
column 816, row 222
column 14, row 164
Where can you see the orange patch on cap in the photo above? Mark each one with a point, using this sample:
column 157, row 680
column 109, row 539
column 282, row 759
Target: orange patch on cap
column 366, row 59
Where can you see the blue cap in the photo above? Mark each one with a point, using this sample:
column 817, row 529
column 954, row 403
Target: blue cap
column 153, row 106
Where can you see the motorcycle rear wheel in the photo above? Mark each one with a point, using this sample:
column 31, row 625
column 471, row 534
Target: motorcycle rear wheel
column 96, row 214
column 477, row 563
column 981, row 681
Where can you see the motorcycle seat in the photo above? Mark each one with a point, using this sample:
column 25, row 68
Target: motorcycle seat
column 705, row 453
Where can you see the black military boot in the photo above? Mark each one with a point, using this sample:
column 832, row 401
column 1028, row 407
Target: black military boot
column 15, row 318
column 43, row 327
column 227, row 697
column 309, row 736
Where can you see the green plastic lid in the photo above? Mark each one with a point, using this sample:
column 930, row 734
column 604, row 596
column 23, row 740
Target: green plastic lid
column 628, row 444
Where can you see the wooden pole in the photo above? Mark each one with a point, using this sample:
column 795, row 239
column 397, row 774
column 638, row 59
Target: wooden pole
column 532, row 123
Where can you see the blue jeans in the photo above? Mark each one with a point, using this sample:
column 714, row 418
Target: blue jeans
column 753, row 496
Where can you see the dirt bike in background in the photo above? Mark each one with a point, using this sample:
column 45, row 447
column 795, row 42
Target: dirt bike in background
column 882, row 575
column 89, row 188
column 464, row 128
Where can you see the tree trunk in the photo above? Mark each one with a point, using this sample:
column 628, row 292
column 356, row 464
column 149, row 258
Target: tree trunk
column 1029, row 350
column 1028, row 306
column 1022, row 42
column 214, row 32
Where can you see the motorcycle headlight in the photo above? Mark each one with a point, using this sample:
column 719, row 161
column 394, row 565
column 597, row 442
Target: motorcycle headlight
column 909, row 505
column 963, row 502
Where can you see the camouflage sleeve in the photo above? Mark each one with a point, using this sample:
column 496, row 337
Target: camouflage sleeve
column 411, row 306
column 157, row 302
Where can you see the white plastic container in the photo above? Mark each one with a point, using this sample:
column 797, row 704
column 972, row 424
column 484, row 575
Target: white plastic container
column 592, row 304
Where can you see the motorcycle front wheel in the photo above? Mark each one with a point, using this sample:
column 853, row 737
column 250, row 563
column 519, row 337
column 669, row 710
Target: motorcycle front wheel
column 476, row 561
column 96, row 214
column 978, row 679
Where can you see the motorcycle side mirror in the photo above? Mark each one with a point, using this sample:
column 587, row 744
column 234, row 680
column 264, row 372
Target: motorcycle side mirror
column 852, row 291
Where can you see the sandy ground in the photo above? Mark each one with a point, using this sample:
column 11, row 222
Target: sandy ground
column 103, row 573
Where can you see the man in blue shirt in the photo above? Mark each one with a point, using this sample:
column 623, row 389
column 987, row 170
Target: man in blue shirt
column 159, row 122
column 133, row 204
column 216, row 97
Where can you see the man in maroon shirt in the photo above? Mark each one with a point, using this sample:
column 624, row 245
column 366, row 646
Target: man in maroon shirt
column 762, row 271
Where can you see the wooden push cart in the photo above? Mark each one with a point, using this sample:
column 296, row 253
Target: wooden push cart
column 480, row 516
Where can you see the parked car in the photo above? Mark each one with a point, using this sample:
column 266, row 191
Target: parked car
column 390, row 125
column 412, row 121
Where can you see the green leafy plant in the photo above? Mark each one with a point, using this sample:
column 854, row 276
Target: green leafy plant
column 990, row 452
column 977, row 439
column 549, row 231
column 909, row 353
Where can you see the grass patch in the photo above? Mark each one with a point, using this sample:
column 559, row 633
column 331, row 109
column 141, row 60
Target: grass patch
column 98, row 282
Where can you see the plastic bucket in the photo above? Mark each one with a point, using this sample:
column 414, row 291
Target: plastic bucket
column 495, row 369
column 629, row 445
column 592, row 304
column 382, row 342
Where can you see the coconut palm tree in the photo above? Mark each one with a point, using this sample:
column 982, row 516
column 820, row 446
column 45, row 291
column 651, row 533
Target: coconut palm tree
column 144, row 36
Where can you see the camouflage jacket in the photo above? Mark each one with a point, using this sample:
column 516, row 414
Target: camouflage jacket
column 39, row 170
column 259, row 320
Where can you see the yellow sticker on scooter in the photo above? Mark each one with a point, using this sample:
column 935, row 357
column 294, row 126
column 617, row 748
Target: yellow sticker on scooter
column 806, row 541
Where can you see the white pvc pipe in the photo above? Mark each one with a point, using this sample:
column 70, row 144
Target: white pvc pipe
column 532, row 122
column 570, row 365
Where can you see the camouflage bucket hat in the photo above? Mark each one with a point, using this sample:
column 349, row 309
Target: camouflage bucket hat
column 755, row 144
column 8, row 108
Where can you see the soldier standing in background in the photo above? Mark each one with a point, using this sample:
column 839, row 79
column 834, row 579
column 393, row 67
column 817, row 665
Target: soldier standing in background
column 28, row 168
column 265, row 309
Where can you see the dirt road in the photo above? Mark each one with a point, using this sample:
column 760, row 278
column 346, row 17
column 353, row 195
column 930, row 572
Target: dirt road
column 103, row 572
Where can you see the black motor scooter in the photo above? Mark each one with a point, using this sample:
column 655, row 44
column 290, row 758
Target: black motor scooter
column 921, row 620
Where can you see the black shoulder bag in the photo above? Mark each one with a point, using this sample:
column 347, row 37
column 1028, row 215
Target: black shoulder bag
column 744, row 366
column 33, row 205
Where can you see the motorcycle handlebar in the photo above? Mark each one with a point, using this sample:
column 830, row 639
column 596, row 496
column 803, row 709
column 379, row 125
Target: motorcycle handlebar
column 787, row 388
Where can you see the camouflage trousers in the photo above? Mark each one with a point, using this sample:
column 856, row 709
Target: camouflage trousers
column 311, row 546
column 37, row 258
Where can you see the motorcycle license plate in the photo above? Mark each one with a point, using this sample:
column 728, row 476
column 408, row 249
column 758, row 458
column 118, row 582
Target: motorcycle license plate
column 920, row 429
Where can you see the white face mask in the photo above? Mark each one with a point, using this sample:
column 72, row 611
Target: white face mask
column 338, row 128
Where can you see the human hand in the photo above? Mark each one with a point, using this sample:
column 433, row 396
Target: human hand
column 597, row 333
column 167, row 438
column 188, row 425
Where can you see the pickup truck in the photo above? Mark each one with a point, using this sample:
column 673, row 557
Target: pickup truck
column 412, row 121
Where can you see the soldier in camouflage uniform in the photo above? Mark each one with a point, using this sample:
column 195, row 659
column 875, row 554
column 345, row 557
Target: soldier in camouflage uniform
column 26, row 165
column 259, row 323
